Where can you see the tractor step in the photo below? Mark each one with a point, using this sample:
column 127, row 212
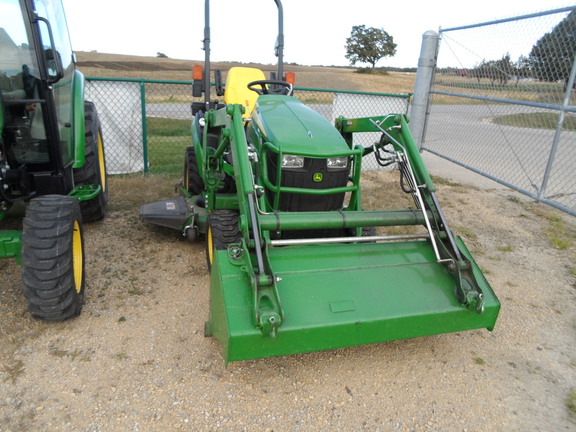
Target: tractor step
column 342, row 295
column 171, row 213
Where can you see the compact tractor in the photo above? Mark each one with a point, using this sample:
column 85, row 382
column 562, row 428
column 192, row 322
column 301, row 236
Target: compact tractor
column 296, row 262
column 51, row 157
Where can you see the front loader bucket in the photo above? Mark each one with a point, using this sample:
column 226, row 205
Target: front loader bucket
column 340, row 295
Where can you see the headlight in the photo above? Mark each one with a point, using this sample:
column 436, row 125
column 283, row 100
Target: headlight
column 291, row 161
column 338, row 162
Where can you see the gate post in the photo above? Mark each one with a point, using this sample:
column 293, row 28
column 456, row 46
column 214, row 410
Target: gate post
column 420, row 102
column 559, row 126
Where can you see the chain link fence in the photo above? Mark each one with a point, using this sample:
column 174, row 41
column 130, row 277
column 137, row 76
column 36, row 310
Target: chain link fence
column 146, row 124
column 503, row 103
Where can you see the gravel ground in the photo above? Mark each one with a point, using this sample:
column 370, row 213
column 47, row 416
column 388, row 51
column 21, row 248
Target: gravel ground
column 137, row 359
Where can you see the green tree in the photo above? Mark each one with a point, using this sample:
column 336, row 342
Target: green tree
column 368, row 45
column 552, row 56
column 495, row 70
column 522, row 68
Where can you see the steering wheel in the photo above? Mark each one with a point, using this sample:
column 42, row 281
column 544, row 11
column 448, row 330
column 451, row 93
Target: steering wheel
column 278, row 87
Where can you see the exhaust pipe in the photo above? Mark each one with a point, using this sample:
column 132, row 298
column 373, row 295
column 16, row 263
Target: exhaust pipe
column 280, row 40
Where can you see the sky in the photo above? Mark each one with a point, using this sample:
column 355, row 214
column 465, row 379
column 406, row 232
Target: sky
column 315, row 31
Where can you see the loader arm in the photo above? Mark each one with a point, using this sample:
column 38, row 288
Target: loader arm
column 395, row 130
column 268, row 313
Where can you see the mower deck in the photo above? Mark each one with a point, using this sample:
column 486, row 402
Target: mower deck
column 338, row 295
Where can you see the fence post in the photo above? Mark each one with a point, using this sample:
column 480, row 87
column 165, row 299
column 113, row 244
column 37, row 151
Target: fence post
column 424, row 75
column 144, row 126
column 559, row 126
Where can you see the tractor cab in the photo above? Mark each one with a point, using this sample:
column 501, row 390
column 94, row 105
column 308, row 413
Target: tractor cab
column 36, row 83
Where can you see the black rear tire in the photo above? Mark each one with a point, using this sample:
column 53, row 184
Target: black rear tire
column 193, row 183
column 53, row 257
column 222, row 232
column 94, row 170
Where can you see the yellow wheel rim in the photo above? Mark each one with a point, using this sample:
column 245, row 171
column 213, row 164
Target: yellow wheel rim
column 77, row 257
column 210, row 246
column 101, row 162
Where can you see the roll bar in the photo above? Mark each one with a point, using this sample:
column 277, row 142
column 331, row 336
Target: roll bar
column 279, row 48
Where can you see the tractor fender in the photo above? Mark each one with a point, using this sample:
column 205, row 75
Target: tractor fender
column 78, row 132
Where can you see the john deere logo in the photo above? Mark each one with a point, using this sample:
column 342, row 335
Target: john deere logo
column 317, row 177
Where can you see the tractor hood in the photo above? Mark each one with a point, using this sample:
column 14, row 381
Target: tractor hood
column 295, row 128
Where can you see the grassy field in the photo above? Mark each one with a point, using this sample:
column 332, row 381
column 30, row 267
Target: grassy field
column 523, row 90
column 167, row 141
column 167, row 138
column 122, row 66
column 336, row 78
column 322, row 77
column 537, row 121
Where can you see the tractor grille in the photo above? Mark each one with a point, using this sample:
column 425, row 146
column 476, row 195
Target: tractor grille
column 314, row 175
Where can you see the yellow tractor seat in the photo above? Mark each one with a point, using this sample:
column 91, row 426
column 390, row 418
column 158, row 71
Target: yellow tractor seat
column 237, row 92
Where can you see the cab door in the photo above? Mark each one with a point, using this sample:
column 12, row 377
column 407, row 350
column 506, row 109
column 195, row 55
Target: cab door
column 57, row 59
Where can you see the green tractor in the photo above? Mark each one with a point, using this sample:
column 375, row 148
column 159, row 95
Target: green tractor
column 296, row 262
column 51, row 157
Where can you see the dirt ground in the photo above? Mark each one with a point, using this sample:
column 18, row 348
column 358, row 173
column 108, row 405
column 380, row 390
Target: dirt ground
column 137, row 359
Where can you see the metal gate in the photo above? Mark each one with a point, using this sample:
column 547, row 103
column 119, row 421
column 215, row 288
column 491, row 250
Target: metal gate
column 502, row 102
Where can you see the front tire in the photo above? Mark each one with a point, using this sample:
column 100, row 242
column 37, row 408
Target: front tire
column 53, row 258
column 222, row 232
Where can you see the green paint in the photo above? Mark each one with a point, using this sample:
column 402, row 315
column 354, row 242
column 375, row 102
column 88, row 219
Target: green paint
column 268, row 300
column 11, row 244
column 336, row 296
